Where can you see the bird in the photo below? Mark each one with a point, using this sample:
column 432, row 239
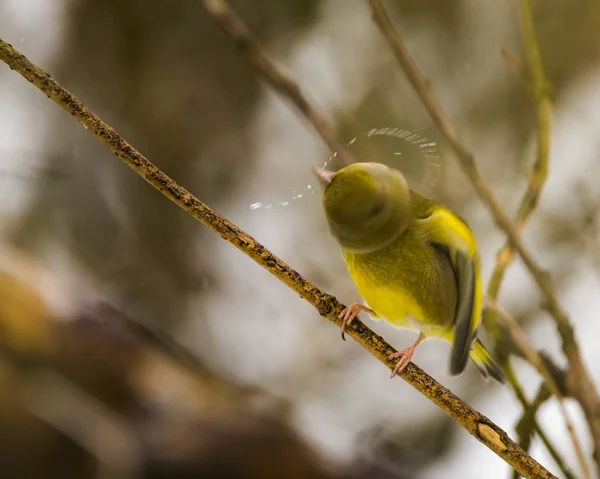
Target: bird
column 414, row 262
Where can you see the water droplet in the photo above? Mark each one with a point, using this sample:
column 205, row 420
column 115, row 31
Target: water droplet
column 255, row 206
column 397, row 153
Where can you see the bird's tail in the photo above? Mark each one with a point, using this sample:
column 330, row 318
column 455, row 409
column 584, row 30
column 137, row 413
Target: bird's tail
column 485, row 363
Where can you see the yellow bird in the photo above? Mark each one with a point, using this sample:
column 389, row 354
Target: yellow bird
column 414, row 261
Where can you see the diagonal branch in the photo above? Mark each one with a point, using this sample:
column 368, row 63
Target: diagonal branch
column 527, row 425
column 474, row 422
column 511, row 346
column 233, row 26
column 541, row 165
column 527, row 406
column 528, row 204
column 535, row 359
column 585, row 392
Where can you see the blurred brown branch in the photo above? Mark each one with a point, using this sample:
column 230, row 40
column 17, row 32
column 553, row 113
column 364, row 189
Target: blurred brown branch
column 538, row 86
column 233, row 26
column 586, row 392
column 540, row 167
column 528, row 352
column 527, row 425
column 478, row 425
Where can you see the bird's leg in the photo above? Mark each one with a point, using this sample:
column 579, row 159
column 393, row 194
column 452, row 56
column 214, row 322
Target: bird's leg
column 405, row 356
column 349, row 313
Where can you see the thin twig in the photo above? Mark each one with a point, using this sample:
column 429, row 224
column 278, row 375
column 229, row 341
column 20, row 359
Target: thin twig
column 535, row 359
column 475, row 423
column 585, row 392
column 527, row 424
column 233, row 26
column 540, row 167
column 520, row 395
column 523, row 430
column 525, row 427
column 537, row 84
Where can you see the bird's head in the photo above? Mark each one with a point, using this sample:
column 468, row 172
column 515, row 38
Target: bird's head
column 367, row 205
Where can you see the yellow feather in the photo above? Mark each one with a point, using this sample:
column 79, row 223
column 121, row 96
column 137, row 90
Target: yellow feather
column 388, row 280
column 413, row 261
column 446, row 227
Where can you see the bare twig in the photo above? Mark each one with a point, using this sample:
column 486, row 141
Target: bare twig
column 535, row 359
column 520, row 395
column 531, row 410
column 527, row 425
column 541, row 165
column 537, row 84
column 529, row 421
column 586, row 391
column 233, row 26
column 475, row 423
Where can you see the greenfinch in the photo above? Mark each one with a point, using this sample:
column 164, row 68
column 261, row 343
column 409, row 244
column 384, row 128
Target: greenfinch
column 414, row 261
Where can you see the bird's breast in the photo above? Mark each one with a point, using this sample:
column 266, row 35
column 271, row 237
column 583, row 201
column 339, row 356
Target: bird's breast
column 403, row 284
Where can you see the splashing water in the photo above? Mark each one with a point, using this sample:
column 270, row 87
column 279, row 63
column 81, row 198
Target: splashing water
column 427, row 149
column 308, row 190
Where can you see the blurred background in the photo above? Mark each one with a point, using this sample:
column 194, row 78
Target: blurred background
column 98, row 271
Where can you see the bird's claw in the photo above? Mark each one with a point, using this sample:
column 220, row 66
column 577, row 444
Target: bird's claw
column 347, row 316
column 405, row 357
column 349, row 313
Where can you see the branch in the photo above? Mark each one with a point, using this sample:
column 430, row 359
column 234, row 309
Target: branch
column 529, row 202
column 474, row 422
column 528, row 424
column 535, row 359
column 233, row 26
column 586, row 392
column 520, row 395
column 536, row 183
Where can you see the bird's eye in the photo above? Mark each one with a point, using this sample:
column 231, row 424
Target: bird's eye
column 376, row 209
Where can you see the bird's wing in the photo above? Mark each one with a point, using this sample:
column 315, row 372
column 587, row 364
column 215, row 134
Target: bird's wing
column 446, row 229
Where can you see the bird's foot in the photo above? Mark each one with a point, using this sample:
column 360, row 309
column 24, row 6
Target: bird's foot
column 405, row 356
column 349, row 313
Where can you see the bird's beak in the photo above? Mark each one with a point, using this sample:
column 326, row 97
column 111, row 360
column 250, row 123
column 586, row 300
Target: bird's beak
column 324, row 176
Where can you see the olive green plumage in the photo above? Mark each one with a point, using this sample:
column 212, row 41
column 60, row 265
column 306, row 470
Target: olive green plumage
column 414, row 261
